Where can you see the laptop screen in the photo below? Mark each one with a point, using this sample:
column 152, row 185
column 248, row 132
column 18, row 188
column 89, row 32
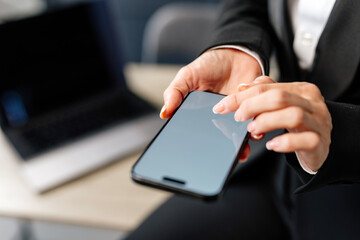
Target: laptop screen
column 50, row 61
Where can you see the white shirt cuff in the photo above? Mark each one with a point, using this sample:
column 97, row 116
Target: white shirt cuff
column 248, row 51
column 309, row 171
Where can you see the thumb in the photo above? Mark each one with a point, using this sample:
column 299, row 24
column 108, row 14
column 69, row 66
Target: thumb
column 176, row 91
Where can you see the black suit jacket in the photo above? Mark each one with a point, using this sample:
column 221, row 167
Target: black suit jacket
column 264, row 26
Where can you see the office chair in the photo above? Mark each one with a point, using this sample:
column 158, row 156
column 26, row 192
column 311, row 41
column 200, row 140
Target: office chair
column 178, row 32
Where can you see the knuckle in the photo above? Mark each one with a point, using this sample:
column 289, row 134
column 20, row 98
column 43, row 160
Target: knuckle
column 259, row 89
column 235, row 99
column 244, row 107
column 314, row 142
column 166, row 92
column 262, row 123
column 264, row 79
column 230, row 101
column 268, row 79
column 297, row 117
column 186, row 75
column 329, row 124
column 311, row 89
column 184, row 72
column 328, row 141
column 324, row 113
column 324, row 110
column 287, row 142
column 280, row 97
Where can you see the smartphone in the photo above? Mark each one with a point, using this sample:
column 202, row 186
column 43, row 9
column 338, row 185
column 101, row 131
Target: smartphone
column 195, row 151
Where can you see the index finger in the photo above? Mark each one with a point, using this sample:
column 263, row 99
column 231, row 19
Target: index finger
column 232, row 102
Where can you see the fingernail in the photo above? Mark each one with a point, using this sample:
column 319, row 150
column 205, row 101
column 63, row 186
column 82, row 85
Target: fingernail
column 163, row 109
column 237, row 116
column 243, row 159
column 218, row 108
column 243, row 86
column 251, row 126
column 272, row 144
column 258, row 136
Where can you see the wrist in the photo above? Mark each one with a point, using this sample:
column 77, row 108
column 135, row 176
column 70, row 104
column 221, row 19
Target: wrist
column 247, row 51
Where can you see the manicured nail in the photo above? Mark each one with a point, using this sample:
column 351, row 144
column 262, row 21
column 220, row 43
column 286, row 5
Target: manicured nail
column 272, row 144
column 243, row 86
column 251, row 126
column 163, row 109
column 243, row 159
column 258, row 136
column 218, row 108
column 237, row 116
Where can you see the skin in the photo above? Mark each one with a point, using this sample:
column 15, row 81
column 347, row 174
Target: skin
column 218, row 71
column 297, row 107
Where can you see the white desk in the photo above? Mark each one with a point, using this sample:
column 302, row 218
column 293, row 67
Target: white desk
column 105, row 198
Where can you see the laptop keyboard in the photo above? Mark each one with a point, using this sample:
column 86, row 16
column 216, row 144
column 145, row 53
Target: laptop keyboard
column 69, row 125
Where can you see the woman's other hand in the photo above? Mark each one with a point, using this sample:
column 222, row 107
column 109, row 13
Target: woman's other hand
column 298, row 107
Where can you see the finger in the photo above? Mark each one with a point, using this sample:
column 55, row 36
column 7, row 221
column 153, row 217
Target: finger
column 263, row 80
column 291, row 142
column 177, row 90
column 258, row 80
column 288, row 118
column 172, row 99
column 245, row 154
column 226, row 105
column 232, row 102
column 244, row 86
column 271, row 100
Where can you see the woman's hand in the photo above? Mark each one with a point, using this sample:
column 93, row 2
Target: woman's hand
column 220, row 71
column 298, row 107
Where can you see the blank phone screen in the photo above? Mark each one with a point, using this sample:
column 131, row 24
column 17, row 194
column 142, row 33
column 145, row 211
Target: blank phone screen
column 196, row 149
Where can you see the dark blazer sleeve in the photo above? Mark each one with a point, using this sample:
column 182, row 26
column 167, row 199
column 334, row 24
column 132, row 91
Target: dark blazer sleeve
column 246, row 23
column 343, row 162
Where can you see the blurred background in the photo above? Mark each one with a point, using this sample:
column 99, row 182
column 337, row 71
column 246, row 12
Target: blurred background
column 156, row 38
column 132, row 17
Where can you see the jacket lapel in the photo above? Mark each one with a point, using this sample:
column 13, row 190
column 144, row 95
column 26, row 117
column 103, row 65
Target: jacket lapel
column 338, row 51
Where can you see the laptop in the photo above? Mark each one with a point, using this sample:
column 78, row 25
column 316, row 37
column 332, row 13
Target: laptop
column 64, row 104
